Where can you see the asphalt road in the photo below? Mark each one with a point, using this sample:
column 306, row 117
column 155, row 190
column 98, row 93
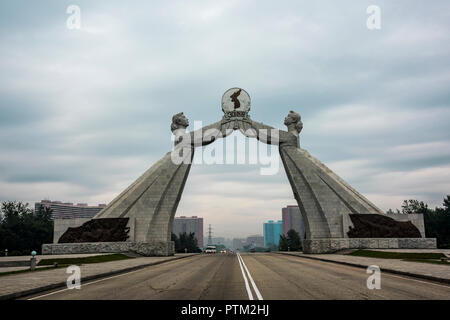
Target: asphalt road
column 250, row 276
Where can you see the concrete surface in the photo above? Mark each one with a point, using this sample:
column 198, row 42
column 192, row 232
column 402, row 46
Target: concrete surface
column 424, row 270
column 415, row 218
column 328, row 245
column 61, row 225
column 148, row 249
column 54, row 256
column 276, row 276
column 17, row 285
column 26, row 260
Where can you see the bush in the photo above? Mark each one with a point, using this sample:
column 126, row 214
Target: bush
column 290, row 242
column 437, row 221
column 22, row 230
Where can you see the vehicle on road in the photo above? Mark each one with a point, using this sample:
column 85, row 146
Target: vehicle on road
column 210, row 249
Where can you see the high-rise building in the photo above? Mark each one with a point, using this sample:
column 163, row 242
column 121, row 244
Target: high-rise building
column 255, row 241
column 189, row 224
column 67, row 210
column 272, row 232
column 210, row 243
column 293, row 219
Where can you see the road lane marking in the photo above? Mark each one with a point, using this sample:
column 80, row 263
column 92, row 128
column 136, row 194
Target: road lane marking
column 103, row 279
column 247, row 287
column 85, row 284
column 410, row 278
column 255, row 288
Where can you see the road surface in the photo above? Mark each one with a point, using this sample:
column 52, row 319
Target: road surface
column 255, row 276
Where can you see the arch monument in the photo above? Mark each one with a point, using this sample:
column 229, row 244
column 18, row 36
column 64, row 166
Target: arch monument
column 336, row 216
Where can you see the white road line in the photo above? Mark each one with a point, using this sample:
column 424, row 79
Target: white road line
column 410, row 278
column 258, row 294
column 249, row 291
column 83, row 285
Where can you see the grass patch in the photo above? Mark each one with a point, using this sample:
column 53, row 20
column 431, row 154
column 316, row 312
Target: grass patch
column 397, row 255
column 84, row 260
column 65, row 262
column 429, row 261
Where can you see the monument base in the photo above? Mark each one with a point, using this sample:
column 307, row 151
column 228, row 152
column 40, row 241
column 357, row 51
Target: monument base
column 157, row 248
column 331, row 245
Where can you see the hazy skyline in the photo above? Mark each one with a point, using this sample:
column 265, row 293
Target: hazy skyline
column 85, row 112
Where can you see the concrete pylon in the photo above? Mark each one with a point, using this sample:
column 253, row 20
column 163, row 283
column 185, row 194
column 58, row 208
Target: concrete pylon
column 324, row 199
column 151, row 201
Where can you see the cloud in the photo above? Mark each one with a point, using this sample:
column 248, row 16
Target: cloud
column 84, row 112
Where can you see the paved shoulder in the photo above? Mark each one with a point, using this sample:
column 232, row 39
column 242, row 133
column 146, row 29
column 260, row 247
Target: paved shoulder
column 285, row 277
column 200, row 277
column 17, row 285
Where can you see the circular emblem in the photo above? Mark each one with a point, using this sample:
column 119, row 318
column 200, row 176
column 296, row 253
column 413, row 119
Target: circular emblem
column 236, row 101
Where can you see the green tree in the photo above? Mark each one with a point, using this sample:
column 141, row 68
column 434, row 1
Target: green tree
column 22, row 230
column 283, row 243
column 290, row 242
column 437, row 224
column 437, row 221
column 447, row 204
column 175, row 239
column 294, row 240
column 414, row 206
column 186, row 241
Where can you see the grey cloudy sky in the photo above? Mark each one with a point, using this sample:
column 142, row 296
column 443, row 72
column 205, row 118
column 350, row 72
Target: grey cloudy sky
column 84, row 112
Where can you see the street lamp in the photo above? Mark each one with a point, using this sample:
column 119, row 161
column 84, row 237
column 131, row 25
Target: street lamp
column 33, row 260
column 6, row 252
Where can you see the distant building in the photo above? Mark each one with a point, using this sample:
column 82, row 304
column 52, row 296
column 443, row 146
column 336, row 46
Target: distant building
column 255, row 241
column 67, row 210
column 272, row 232
column 238, row 243
column 218, row 240
column 293, row 219
column 228, row 243
column 189, row 224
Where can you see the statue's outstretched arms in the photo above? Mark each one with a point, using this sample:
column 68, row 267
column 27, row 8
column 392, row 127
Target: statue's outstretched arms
column 267, row 134
column 208, row 134
column 262, row 132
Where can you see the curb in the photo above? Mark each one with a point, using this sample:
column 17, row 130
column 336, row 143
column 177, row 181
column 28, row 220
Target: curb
column 352, row 264
column 28, row 292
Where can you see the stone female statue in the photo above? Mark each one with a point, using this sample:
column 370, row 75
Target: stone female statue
column 270, row 135
column 151, row 201
column 324, row 199
column 185, row 142
column 200, row 137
